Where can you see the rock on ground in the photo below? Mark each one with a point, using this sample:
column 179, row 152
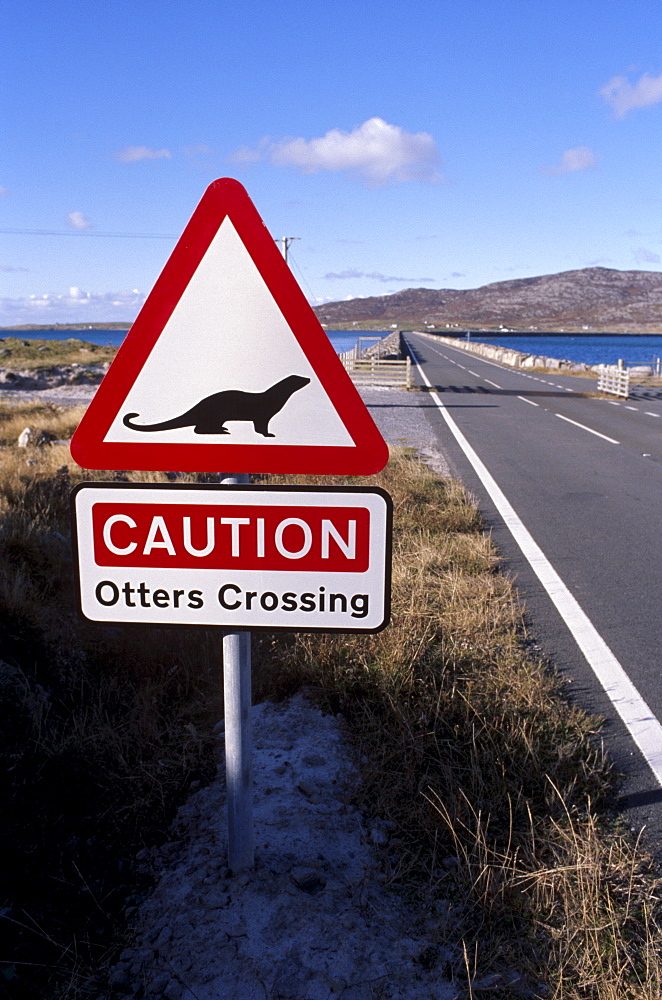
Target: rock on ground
column 313, row 920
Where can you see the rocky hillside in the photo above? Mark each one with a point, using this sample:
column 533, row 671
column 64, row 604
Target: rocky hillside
column 597, row 298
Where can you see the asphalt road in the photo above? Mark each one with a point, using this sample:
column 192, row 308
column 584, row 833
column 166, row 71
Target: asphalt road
column 584, row 477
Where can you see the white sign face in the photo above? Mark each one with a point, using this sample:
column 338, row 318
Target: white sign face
column 295, row 558
column 227, row 334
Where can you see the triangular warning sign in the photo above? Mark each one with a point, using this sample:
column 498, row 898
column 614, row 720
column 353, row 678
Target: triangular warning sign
column 226, row 367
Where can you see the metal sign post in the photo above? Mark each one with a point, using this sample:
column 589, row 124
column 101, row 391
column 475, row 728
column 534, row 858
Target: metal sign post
column 239, row 557
column 226, row 337
column 238, row 748
column 238, row 735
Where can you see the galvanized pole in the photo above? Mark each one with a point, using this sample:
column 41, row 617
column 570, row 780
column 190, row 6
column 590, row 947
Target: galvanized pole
column 238, row 737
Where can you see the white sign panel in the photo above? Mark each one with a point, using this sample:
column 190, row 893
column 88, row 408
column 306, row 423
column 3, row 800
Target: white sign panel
column 297, row 558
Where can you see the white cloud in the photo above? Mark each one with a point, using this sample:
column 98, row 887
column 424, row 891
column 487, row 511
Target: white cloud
column 377, row 152
column 198, row 151
column 134, row 154
column 78, row 220
column 573, row 160
column 247, row 155
column 644, row 256
column 73, row 306
column 623, row 96
column 375, row 275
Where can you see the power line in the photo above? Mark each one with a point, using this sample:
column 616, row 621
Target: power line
column 285, row 244
column 66, row 232
column 294, row 267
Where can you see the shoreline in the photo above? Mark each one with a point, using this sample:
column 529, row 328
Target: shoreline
column 64, row 326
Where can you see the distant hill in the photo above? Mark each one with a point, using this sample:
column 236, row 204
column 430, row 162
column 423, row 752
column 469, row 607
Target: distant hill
column 600, row 299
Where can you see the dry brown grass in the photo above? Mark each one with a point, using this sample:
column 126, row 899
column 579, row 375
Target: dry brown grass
column 60, row 420
column 570, row 372
column 102, row 730
column 498, row 787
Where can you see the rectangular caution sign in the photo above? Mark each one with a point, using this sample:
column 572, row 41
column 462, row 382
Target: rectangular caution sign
column 297, row 558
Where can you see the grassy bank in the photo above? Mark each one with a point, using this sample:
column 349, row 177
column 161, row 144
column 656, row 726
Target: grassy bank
column 18, row 353
column 497, row 787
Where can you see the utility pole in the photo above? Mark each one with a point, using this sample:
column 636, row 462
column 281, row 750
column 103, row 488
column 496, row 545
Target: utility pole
column 285, row 244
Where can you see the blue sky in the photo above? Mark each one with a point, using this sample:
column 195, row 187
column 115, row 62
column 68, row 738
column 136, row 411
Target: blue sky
column 421, row 144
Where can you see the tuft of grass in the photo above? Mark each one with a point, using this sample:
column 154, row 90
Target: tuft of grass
column 60, row 421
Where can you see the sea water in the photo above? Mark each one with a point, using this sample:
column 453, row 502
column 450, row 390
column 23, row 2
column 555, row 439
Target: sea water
column 342, row 340
column 592, row 349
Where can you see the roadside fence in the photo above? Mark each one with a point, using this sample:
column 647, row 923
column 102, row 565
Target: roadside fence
column 378, row 371
column 615, row 381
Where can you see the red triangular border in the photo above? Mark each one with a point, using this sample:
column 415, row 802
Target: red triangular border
column 227, row 197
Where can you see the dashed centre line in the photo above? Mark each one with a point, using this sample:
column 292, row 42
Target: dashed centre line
column 543, row 381
column 589, row 429
column 640, row 720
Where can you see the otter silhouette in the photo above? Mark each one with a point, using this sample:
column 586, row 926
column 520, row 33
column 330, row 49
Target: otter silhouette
column 210, row 414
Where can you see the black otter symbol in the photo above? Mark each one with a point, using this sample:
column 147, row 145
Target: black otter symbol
column 210, row 414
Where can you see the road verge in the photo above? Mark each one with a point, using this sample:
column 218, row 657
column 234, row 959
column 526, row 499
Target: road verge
column 493, row 789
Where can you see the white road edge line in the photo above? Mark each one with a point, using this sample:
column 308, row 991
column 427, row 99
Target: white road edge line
column 589, row 429
column 529, row 401
column 640, row 721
